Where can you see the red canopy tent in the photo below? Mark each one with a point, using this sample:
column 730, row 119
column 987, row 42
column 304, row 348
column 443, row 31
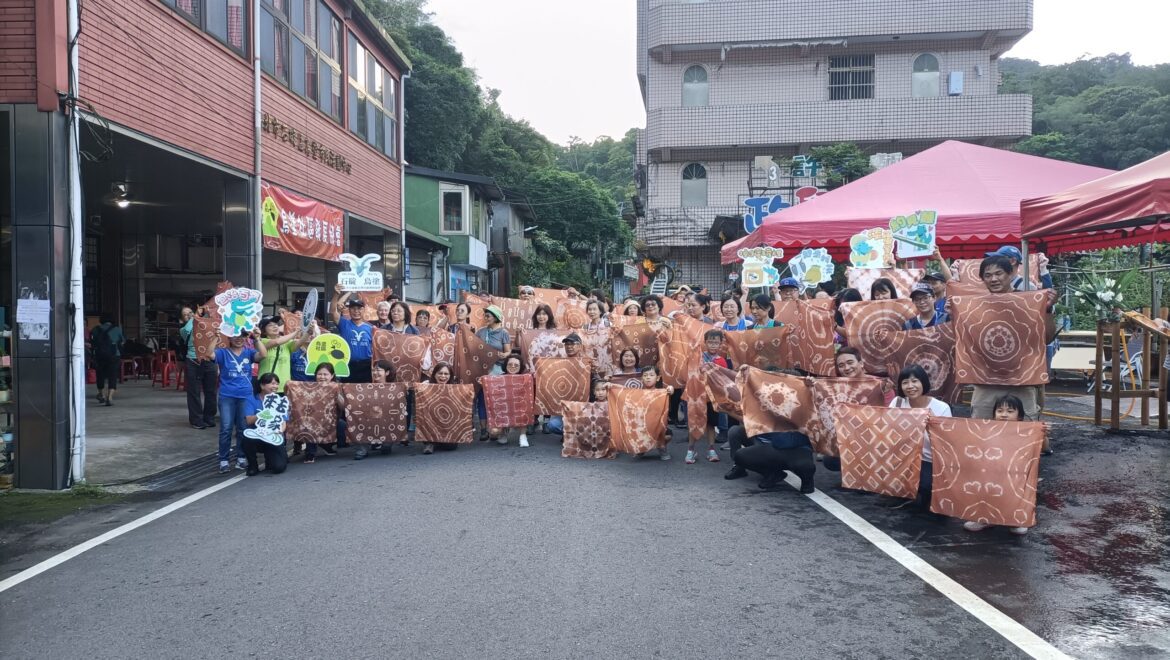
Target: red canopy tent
column 1124, row 208
column 976, row 191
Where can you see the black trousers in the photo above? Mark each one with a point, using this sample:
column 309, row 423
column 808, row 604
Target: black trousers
column 108, row 370
column 275, row 458
column 201, row 381
column 765, row 459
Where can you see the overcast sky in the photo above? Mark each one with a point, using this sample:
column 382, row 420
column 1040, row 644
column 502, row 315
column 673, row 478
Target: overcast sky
column 568, row 67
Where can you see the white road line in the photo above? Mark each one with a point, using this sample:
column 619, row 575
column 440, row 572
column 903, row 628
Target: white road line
column 57, row 560
column 1011, row 630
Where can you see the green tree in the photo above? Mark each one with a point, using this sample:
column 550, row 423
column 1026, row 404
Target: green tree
column 842, row 162
column 607, row 161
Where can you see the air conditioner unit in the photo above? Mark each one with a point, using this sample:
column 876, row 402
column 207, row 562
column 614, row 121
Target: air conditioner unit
column 955, row 83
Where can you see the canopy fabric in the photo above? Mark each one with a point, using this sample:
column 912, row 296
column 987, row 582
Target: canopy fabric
column 1123, row 208
column 975, row 190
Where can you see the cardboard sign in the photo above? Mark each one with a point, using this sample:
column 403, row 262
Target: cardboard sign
column 915, row 234
column 360, row 277
column 328, row 348
column 812, row 267
column 872, row 248
column 239, row 311
column 270, row 420
column 757, row 266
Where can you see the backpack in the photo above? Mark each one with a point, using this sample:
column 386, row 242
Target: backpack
column 103, row 345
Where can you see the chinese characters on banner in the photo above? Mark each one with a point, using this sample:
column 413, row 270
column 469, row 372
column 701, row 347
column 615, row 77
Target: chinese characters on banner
column 298, row 225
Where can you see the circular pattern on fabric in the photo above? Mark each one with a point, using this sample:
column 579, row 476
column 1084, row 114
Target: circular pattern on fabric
column 780, row 399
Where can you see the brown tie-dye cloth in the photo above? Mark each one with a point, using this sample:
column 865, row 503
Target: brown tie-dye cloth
column 697, row 398
column 985, row 470
column 312, row 412
column 870, row 327
column 637, row 420
column 723, row 389
column 881, row 448
column 536, row 344
column 405, row 353
column 371, row 299
column 517, row 314
column 375, row 412
column 967, row 282
column 473, row 357
column 999, row 339
column 678, row 357
column 933, row 349
column 831, row 393
column 815, row 345
column 510, row 400
column 641, row 338
column 559, row 380
column 773, row 402
column 595, row 346
column 766, row 348
column 205, row 334
column 587, row 430
column 620, row 320
column 626, row 380
column 904, row 279
column 442, row 347
column 442, row 413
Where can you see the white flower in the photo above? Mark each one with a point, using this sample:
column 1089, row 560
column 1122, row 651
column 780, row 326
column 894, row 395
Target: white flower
column 1107, row 296
column 1109, row 281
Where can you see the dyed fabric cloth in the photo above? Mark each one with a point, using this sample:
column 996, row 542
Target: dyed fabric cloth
column 442, row 413
column 904, row 279
column 723, row 389
column 205, row 333
column 999, row 339
column 763, row 349
column 375, row 412
column 620, row 320
column 536, row 344
column 371, row 299
column 637, row 422
column 568, row 312
column 406, row 353
column 517, row 314
column 559, row 380
column 595, row 346
column 678, row 357
column 815, row 345
column 986, row 471
column 933, row 349
column 697, row 398
column 881, row 448
column 587, row 432
column 312, row 412
column 442, row 349
column 473, row 357
column 510, row 400
column 830, row 394
column 966, row 281
column 774, row 402
column 641, row 338
column 633, row 381
column 870, row 327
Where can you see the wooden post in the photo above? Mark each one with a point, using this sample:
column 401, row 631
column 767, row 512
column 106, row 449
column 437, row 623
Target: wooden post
column 1164, row 378
column 1097, row 376
column 1147, row 385
column 1115, row 376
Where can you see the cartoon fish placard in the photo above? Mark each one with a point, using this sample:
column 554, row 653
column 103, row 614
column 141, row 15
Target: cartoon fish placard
column 915, row 234
column 239, row 310
column 328, row 348
column 872, row 248
column 812, row 266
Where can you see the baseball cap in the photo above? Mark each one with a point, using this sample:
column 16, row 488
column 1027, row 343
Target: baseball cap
column 571, row 338
column 1007, row 251
column 355, row 302
column 921, row 288
column 789, row 283
column 936, row 276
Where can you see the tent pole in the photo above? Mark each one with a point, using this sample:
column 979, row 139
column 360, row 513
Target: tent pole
column 1027, row 274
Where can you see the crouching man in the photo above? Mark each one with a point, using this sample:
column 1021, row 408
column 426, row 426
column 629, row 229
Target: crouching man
column 770, row 454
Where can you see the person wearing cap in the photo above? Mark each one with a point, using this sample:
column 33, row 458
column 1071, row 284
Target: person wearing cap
column 527, row 292
column 937, row 281
column 788, row 289
column 355, row 331
column 1014, row 255
column 680, row 294
column 572, row 343
column 927, row 316
column 493, row 334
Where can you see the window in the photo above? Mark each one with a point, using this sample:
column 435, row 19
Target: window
column 453, row 210
column 694, row 186
column 226, row 20
column 299, row 45
column 850, row 77
column 924, row 80
column 694, row 92
column 373, row 102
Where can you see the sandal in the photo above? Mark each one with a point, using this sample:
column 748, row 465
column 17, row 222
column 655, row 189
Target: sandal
column 429, row 448
column 309, row 459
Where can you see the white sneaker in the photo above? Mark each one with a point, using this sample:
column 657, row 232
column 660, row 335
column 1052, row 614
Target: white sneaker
column 972, row 526
column 523, row 439
column 241, row 464
column 1018, row 531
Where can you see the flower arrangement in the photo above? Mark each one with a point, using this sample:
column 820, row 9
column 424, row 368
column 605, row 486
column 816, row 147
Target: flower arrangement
column 1103, row 293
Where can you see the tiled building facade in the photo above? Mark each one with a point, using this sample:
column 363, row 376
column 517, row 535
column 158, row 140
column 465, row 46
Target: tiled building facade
column 727, row 81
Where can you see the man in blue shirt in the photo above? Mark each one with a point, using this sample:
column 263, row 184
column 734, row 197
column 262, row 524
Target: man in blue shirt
column 1016, row 257
column 356, row 332
column 201, row 377
column 938, row 285
column 927, row 314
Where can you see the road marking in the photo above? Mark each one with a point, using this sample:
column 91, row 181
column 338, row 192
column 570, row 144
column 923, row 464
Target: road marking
column 1011, row 630
column 57, row 560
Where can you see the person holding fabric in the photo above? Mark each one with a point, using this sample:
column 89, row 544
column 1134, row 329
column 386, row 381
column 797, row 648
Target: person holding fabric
column 235, row 388
column 628, row 362
column 1007, row 409
column 631, row 308
column 201, row 377
column 883, row 289
column 913, row 389
column 325, row 374
column 513, row 365
column 275, row 456
column 1013, row 255
column 597, row 320
column 400, row 320
column 462, row 317
column 771, row 455
column 652, row 311
column 651, row 380
column 762, row 311
column 494, row 335
column 106, row 340
column 938, row 285
column 733, row 318
column 355, row 331
column 788, row 289
column 927, row 314
column 381, row 372
column 422, row 322
column 527, row 292
column 442, row 374
column 572, row 343
column 278, row 359
column 383, row 310
column 698, row 306
column 542, row 318
column 716, row 422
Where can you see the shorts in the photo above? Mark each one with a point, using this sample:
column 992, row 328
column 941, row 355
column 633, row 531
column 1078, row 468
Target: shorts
column 107, row 372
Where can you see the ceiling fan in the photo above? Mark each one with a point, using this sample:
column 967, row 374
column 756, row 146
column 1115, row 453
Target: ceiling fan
column 121, row 197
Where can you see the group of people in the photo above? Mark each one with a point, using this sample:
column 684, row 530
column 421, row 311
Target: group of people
column 252, row 366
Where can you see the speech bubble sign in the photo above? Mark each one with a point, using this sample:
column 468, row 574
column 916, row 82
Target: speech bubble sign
column 872, row 248
column 812, row 267
column 915, row 235
column 239, row 310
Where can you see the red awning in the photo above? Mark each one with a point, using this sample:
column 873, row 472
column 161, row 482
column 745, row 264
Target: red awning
column 1124, row 208
column 976, row 191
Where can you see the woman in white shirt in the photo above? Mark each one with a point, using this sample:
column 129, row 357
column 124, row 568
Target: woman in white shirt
column 913, row 389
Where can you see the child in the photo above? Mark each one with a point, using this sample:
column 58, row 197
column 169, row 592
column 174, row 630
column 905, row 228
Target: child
column 442, row 374
column 235, row 388
column 275, row 456
column 325, row 374
column 382, row 372
column 712, row 353
column 650, row 381
column 512, row 366
column 1008, row 408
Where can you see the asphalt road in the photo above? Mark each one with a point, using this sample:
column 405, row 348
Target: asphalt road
column 493, row 552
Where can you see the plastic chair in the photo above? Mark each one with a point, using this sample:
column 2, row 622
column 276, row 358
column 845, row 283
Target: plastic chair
column 129, row 369
column 163, row 368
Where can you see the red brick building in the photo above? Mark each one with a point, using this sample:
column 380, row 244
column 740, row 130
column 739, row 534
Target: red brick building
column 168, row 176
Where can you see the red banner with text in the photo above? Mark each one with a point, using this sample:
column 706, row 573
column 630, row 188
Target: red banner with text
column 299, row 225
